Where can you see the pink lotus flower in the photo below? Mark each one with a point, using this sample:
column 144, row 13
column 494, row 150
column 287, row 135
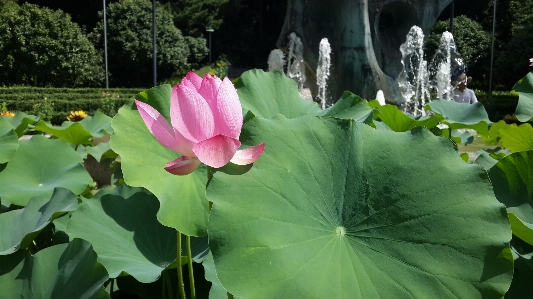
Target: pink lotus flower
column 531, row 61
column 206, row 118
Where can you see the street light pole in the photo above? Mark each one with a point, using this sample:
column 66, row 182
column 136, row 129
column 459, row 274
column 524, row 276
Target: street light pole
column 492, row 48
column 210, row 30
column 452, row 16
column 105, row 50
column 154, row 42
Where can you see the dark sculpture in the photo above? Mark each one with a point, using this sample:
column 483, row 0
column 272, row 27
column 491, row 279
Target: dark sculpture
column 365, row 38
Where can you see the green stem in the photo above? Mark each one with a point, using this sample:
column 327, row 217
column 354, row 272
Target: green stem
column 111, row 288
column 163, row 281
column 181, row 287
column 191, row 274
column 169, row 286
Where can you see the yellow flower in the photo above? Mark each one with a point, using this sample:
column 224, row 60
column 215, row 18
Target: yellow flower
column 7, row 113
column 76, row 115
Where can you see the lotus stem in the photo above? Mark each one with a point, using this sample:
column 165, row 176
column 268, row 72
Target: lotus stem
column 191, row 274
column 169, row 286
column 163, row 281
column 181, row 287
column 111, row 287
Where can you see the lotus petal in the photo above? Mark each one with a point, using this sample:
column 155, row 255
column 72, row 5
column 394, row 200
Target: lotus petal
column 209, row 91
column 228, row 120
column 194, row 79
column 182, row 165
column 158, row 126
column 216, row 151
column 190, row 114
column 249, row 155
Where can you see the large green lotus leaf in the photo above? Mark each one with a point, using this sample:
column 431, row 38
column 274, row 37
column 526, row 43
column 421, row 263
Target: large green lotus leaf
column 73, row 133
column 217, row 291
column 21, row 121
column 350, row 106
column 97, row 125
column 522, row 254
column 101, row 151
column 19, row 227
column 458, row 136
column 399, row 122
column 461, row 115
column 121, row 224
column 66, row 271
column 183, row 202
column 484, row 159
column 11, row 273
column 494, row 132
column 270, row 93
column 39, row 166
column 524, row 87
column 8, row 141
column 517, row 138
column 512, row 178
column 337, row 209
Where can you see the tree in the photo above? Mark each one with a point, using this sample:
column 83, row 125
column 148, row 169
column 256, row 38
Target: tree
column 43, row 47
column 193, row 16
column 250, row 31
column 513, row 62
column 473, row 43
column 129, row 41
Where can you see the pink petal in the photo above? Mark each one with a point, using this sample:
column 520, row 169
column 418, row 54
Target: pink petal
column 158, row 126
column 249, row 155
column 182, row 165
column 185, row 145
column 188, row 83
column 194, row 79
column 216, row 151
column 190, row 114
column 209, row 90
column 228, row 116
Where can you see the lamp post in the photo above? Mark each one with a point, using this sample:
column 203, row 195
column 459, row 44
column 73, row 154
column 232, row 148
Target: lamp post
column 154, row 42
column 492, row 48
column 210, row 30
column 452, row 12
column 105, row 51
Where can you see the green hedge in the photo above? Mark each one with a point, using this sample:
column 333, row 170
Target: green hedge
column 65, row 100
column 500, row 104
column 71, row 94
column 110, row 100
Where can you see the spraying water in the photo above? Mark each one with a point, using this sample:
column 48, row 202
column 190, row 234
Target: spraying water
column 444, row 62
column 417, row 80
column 295, row 60
column 413, row 78
column 276, row 60
column 322, row 72
column 380, row 97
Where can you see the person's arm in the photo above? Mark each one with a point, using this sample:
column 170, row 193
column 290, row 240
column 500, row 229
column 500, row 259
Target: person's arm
column 474, row 99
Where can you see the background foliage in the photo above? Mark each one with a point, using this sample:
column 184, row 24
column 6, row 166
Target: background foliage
column 130, row 53
column 42, row 47
column 473, row 43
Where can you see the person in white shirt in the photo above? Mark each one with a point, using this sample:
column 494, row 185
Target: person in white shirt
column 461, row 94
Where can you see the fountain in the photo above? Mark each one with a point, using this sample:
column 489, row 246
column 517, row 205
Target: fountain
column 380, row 97
column 365, row 36
column 413, row 79
column 322, row 72
column 295, row 61
column 416, row 81
column 445, row 62
column 276, row 60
